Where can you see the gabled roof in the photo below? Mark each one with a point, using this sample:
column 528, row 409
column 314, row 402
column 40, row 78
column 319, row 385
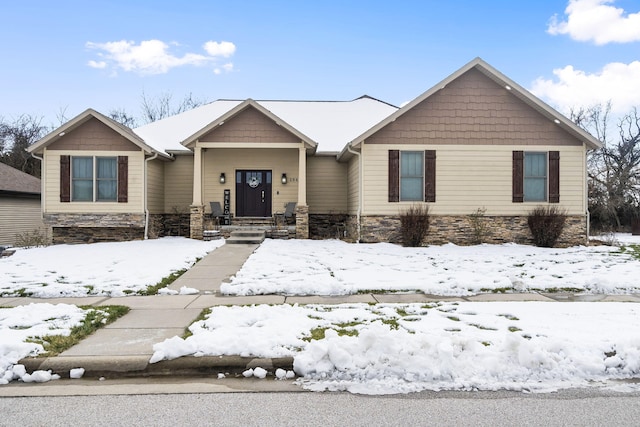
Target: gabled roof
column 502, row 80
column 81, row 119
column 13, row 180
column 191, row 139
column 327, row 124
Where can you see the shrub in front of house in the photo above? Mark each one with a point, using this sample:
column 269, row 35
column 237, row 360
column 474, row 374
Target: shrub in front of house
column 414, row 225
column 546, row 225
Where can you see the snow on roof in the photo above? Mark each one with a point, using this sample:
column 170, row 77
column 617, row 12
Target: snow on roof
column 167, row 134
column 331, row 124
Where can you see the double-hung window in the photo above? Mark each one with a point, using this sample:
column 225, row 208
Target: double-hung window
column 94, row 179
column 535, row 177
column 411, row 175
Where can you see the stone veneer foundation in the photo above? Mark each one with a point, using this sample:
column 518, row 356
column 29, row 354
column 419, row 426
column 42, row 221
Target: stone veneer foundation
column 459, row 230
column 302, row 222
column 90, row 228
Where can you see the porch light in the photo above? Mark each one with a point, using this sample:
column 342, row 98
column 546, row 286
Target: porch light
column 223, row 178
column 284, row 178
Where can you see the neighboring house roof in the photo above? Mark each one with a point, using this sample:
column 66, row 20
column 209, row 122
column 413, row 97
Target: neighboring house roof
column 13, row 180
column 84, row 117
column 495, row 75
column 329, row 124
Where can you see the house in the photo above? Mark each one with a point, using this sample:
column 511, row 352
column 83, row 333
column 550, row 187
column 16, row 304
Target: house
column 476, row 140
column 19, row 205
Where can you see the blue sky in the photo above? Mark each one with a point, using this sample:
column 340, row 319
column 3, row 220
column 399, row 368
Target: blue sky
column 72, row 55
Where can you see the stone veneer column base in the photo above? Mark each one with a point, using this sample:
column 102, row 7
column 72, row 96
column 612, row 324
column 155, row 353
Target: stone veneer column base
column 302, row 222
column 196, row 222
column 459, row 230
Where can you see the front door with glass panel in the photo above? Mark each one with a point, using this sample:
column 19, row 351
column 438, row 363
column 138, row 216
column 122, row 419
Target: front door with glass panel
column 253, row 193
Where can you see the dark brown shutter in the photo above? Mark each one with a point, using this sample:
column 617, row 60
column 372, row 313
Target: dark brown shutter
column 123, row 178
column 394, row 175
column 430, row 176
column 65, row 178
column 554, row 177
column 518, row 177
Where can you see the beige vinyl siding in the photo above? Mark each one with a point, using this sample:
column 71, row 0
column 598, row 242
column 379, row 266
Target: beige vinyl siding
column 135, row 202
column 178, row 184
column 155, row 186
column 19, row 215
column 229, row 160
column 469, row 177
column 353, row 185
column 326, row 185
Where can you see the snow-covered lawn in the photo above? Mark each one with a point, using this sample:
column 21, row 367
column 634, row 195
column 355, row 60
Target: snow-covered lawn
column 333, row 267
column 19, row 324
column 113, row 269
column 399, row 348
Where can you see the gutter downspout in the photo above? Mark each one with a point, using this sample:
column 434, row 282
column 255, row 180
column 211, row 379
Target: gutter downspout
column 359, row 211
column 586, row 192
column 146, row 208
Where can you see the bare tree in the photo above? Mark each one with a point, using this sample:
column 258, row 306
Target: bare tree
column 614, row 170
column 122, row 117
column 162, row 107
column 15, row 137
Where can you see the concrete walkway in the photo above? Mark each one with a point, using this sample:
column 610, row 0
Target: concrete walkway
column 125, row 346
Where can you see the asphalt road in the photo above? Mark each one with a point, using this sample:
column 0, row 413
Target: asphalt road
column 229, row 403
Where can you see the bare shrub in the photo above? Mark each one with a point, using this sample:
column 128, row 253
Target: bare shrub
column 546, row 225
column 479, row 225
column 31, row 239
column 414, row 225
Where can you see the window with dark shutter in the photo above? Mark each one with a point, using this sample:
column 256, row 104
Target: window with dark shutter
column 123, row 178
column 65, row 178
column 394, row 176
column 430, row 176
column 518, row 177
column 554, row 177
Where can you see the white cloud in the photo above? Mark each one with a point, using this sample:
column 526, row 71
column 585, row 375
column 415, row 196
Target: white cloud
column 153, row 56
column 597, row 21
column 224, row 49
column 616, row 82
column 97, row 64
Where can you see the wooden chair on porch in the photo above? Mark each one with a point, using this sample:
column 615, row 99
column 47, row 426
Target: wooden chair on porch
column 287, row 216
column 216, row 213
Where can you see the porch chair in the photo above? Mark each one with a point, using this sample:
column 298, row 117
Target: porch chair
column 216, row 213
column 286, row 216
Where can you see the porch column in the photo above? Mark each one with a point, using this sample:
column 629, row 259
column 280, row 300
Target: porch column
column 302, row 210
column 196, row 220
column 302, row 176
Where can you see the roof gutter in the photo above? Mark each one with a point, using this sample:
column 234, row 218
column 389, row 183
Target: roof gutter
column 359, row 211
column 146, row 192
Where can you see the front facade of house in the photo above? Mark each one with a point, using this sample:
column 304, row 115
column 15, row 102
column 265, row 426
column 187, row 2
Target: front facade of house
column 476, row 141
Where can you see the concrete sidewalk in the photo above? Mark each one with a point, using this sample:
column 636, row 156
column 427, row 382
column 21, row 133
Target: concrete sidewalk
column 125, row 346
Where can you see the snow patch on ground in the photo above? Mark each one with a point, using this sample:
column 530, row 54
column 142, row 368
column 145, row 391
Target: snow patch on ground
column 333, row 267
column 400, row 348
column 18, row 324
column 114, row 269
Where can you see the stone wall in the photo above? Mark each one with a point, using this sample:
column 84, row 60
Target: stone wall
column 196, row 222
column 302, row 222
column 69, row 235
column 327, row 226
column 462, row 231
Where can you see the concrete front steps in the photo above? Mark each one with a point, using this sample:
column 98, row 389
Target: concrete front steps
column 246, row 237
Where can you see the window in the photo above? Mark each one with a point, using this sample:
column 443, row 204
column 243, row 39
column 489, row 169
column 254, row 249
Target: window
column 94, row 179
column 411, row 175
column 535, row 177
